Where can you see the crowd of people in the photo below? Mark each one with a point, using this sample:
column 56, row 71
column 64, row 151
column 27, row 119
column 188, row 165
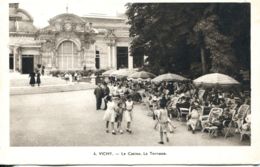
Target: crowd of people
column 165, row 101
column 72, row 77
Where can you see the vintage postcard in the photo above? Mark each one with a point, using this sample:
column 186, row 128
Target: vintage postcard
column 129, row 82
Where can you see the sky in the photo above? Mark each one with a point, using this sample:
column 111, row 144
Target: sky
column 43, row 10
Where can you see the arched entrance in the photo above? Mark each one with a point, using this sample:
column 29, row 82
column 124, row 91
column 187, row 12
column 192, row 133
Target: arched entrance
column 68, row 58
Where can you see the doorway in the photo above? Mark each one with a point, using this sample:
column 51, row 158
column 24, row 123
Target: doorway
column 11, row 62
column 27, row 64
column 122, row 57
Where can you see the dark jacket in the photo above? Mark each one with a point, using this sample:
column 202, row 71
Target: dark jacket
column 98, row 92
column 106, row 91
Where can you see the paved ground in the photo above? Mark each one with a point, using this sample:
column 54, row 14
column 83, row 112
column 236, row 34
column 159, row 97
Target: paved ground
column 70, row 119
column 74, row 86
column 19, row 85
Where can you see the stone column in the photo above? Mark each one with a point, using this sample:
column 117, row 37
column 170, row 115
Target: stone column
column 130, row 61
column 82, row 59
column 20, row 62
column 109, row 55
column 15, row 54
column 114, row 57
column 53, row 59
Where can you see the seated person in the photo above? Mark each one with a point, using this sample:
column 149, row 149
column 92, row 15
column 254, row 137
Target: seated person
column 222, row 103
column 183, row 102
column 226, row 117
column 247, row 124
column 215, row 121
column 193, row 118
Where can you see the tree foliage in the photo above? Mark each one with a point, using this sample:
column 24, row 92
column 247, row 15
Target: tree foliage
column 177, row 36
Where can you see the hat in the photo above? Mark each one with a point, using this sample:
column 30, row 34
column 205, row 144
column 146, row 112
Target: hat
column 182, row 95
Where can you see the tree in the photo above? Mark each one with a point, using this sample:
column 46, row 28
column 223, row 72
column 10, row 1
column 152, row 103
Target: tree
column 219, row 45
column 175, row 36
column 159, row 30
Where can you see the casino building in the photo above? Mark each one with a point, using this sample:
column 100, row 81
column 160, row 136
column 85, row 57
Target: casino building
column 69, row 42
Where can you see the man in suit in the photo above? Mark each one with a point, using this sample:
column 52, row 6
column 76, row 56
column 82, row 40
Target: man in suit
column 106, row 92
column 99, row 95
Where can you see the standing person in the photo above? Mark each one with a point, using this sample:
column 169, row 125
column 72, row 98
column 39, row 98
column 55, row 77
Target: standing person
column 75, row 76
column 115, row 90
column 43, row 68
column 119, row 115
column 162, row 116
column 32, row 78
column 99, row 94
column 70, row 78
column 129, row 113
column 110, row 115
column 106, row 92
column 38, row 78
column 67, row 77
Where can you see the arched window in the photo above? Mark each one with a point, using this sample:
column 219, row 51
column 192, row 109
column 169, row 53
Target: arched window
column 68, row 58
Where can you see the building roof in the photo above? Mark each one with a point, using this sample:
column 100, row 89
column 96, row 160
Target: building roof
column 20, row 20
column 25, row 41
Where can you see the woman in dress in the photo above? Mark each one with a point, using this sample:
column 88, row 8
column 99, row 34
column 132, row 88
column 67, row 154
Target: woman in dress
column 32, row 78
column 193, row 118
column 38, row 78
column 129, row 113
column 110, row 114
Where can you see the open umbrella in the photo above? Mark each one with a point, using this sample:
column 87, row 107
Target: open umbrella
column 139, row 79
column 169, row 77
column 142, row 75
column 215, row 79
column 108, row 72
column 121, row 73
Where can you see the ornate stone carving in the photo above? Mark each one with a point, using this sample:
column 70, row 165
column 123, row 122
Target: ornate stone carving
column 48, row 46
column 67, row 27
column 110, row 37
column 58, row 27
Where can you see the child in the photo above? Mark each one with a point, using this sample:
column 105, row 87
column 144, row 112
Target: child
column 109, row 115
column 119, row 115
column 129, row 113
column 162, row 116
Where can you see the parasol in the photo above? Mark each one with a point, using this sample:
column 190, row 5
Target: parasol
column 215, row 79
column 121, row 73
column 142, row 75
column 169, row 77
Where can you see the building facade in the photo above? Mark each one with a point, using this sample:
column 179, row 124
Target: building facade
column 69, row 42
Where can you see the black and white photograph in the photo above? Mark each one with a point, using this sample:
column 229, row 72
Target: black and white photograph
column 123, row 74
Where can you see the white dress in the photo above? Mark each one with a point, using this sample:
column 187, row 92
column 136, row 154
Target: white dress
column 115, row 91
column 110, row 112
column 194, row 119
column 128, row 115
column 162, row 115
